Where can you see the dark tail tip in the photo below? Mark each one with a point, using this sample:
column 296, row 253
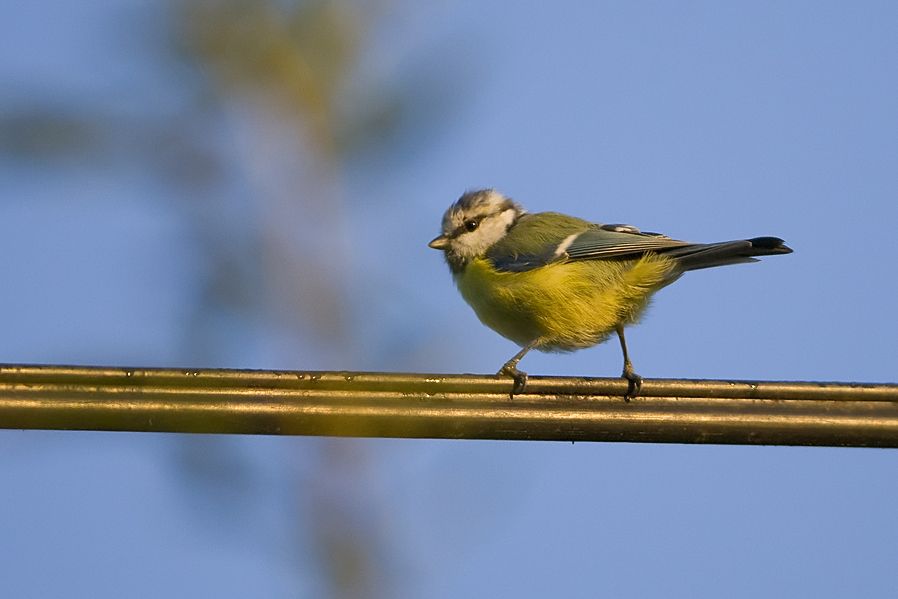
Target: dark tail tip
column 763, row 246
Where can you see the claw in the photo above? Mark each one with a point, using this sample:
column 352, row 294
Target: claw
column 519, row 376
column 634, row 382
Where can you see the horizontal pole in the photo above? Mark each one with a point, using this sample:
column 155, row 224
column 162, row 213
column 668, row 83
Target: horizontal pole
column 446, row 406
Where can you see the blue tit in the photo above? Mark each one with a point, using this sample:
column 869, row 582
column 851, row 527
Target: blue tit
column 558, row 283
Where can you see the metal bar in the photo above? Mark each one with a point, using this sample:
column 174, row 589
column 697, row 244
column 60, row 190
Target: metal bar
column 446, row 406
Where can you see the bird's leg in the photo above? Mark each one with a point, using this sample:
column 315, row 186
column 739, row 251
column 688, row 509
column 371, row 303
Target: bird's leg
column 510, row 368
column 633, row 379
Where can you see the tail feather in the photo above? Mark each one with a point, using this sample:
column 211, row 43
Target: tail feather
column 708, row 255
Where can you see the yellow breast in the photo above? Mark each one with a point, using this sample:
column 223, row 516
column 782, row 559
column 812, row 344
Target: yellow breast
column 566, row 305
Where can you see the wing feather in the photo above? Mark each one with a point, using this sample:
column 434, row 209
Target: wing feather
column 546, row 238
column 602, row 243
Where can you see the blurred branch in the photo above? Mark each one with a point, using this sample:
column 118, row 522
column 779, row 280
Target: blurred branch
column 245, row 115
column 301, row 56
column 446, row 406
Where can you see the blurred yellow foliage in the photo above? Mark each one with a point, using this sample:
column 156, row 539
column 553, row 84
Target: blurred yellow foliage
column 299, row 54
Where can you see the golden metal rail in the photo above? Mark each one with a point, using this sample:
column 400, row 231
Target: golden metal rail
column 446, row 406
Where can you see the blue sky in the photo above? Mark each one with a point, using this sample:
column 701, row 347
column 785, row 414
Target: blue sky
column 706, row 121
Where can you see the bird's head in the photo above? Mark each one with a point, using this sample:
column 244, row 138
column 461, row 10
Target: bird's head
column 475, row 222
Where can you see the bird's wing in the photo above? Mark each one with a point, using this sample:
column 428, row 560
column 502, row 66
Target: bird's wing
column 544, row 238
column 618, row 242
column 623, row 242
column 534, row 241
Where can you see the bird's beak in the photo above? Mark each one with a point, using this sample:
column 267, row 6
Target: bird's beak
column 439, row 243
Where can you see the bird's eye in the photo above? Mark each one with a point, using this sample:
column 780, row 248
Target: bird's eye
column 471, row 225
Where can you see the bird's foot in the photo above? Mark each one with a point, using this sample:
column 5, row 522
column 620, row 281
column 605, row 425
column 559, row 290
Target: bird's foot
column 519, row 376
column 634, row 382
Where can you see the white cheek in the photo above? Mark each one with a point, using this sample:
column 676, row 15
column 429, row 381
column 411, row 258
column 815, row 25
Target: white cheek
column 494, row 228
column 491, row 230
column 470, row 244
column 462, row 244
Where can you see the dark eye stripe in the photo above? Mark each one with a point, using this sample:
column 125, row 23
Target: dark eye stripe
column 463, row 228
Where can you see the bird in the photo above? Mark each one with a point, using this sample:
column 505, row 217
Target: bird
column 558, row 283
